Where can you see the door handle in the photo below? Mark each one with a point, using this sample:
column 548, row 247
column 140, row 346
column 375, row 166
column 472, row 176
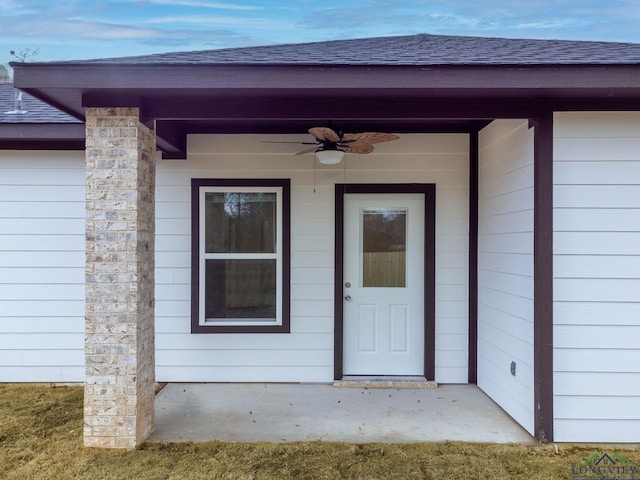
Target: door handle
column 347, row 298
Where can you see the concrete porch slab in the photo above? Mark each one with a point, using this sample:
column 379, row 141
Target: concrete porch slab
column 307, row 412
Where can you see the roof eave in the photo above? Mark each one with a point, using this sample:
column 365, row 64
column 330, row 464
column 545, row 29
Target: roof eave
column 274, row 94
column 42, row 136
column 279, row 76
column 71, row 87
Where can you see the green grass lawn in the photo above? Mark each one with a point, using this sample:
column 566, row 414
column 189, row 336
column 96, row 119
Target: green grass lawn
column 41, row 438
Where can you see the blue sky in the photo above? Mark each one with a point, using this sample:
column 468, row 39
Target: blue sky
column 66, row 30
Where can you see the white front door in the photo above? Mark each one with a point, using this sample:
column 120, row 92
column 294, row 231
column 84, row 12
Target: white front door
column 383, row 291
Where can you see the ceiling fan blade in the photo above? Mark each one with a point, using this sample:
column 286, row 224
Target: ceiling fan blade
column 307, row 150
column 370, row 137
column 324, row 133
column 357, row 147
column 297, row 143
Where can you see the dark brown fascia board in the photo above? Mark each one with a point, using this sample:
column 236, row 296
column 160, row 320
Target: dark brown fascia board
column 190, row 76
column 371, row 107
column 212, row 91
column 42, row 136
column 251, row 94
column 71, row 136
column 25, row 132
column 42, row 131
column 72, row 87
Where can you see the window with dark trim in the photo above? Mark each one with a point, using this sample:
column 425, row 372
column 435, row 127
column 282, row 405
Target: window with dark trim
column 240, row 257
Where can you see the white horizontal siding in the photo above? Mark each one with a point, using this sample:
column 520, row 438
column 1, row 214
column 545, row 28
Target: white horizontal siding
column 35, row 209
column 616, row 220
column 580, row 384
column 42, row 260
column 505, row 267
column 37, row 259
column 179, row 340
column 57, row 193
column 597, row 276
column 619, row 337
column 276, row 358
column 246, row 373
column 592, row 313
column 307, row 353
column 39, row 341
column 596, row 148
column 606, row 430
column 42, row 266
column 596, row 196
column 43, row 242
column 597, row 290
column 48, row 292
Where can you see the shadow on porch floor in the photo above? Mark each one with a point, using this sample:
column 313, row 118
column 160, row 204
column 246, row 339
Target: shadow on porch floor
column 252, row 412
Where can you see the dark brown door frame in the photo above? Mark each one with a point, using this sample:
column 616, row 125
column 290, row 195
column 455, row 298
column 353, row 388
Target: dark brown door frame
column 429, row 191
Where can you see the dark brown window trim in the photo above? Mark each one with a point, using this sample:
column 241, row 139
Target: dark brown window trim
column 429, row 190
column 285, row 326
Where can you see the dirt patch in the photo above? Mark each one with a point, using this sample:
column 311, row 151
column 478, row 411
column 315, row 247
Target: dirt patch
column 41, row 438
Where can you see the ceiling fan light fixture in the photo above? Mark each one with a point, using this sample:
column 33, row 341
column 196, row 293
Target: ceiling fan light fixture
column 329, row 157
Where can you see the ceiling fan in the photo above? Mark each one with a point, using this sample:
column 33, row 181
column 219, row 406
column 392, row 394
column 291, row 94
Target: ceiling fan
column 330, row 146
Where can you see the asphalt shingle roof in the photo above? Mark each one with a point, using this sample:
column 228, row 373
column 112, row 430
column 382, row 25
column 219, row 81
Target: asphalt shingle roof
column 411, row 50
column 36, row 111
column 408, row 50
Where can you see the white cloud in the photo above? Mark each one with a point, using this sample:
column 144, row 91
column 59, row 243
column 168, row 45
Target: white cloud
column 201, row 4
column 13, row 8
column 550, row 24
column 163, row 25
column 204, row 20
column 82, row 29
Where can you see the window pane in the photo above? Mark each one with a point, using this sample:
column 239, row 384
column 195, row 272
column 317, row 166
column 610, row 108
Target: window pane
column 384, row 245
column 240, row 289
column 240, row 222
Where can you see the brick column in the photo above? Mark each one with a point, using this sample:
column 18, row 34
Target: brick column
column 120, row 231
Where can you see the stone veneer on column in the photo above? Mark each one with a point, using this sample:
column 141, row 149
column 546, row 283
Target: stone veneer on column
column 120, row 231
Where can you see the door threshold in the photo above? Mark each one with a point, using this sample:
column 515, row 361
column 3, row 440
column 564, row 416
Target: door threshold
column 383, row 381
